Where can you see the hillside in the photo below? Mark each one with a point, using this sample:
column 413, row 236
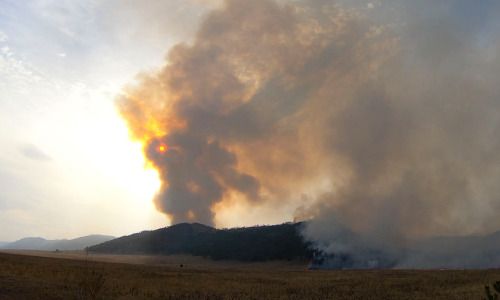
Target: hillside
column 284, row 242
column 37, row 243
column 260, row 243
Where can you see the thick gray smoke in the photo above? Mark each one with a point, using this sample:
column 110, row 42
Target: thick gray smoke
column 383, row 115
column 418, row 140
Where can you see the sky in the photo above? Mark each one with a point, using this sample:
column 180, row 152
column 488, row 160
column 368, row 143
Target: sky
column 375, row 121
column 67, row 165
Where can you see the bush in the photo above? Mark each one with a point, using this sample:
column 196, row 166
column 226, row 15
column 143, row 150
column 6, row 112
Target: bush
column 492, row 295
column 91, row 285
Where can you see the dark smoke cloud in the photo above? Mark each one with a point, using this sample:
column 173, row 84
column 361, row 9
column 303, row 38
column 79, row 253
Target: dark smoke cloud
column 378, row 120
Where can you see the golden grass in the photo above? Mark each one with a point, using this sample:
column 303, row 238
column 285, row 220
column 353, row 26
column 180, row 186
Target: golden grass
column 29, row 277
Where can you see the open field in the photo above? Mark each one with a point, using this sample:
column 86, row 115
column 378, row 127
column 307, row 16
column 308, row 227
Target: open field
column 173, row 261
column 36, row 277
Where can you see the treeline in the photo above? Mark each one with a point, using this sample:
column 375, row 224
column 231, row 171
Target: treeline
column 260, row 243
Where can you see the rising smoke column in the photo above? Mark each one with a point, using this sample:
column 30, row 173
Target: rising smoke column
column 226, row 109
column 377, row 121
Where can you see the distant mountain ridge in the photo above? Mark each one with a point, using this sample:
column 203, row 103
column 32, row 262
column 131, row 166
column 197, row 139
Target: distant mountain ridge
column 38, row 243
column 259, row 243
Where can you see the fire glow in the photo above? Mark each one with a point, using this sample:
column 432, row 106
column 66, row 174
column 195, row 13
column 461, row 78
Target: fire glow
column 162, row 148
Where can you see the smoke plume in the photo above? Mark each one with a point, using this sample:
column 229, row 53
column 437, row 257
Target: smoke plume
column 378, row 121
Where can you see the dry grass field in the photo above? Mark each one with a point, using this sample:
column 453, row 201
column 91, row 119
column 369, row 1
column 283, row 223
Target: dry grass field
column 123, row 277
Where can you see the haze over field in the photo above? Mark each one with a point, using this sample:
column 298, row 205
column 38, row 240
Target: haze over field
column 376, row 121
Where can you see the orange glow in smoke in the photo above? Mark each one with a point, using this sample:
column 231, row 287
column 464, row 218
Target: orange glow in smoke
column 162, row 148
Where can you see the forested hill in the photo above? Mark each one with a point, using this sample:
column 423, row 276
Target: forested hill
column 260, row 243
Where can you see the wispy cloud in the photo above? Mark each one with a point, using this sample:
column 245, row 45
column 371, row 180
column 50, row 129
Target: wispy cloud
column 3, row 37
column 33, row 152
